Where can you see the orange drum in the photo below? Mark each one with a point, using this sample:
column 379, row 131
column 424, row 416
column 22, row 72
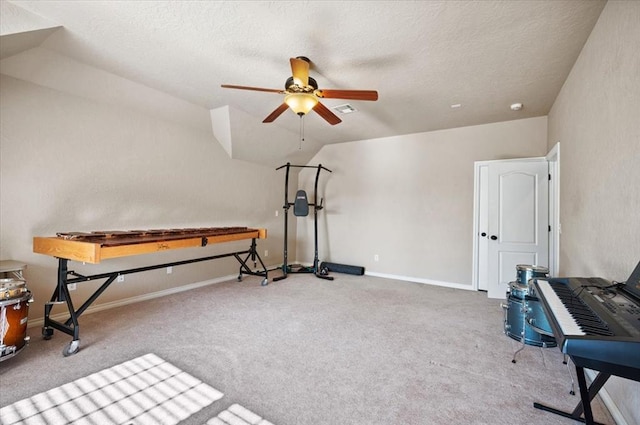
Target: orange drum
column 14, row 312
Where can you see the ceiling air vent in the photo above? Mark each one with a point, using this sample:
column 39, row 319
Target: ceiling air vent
column 344, row 109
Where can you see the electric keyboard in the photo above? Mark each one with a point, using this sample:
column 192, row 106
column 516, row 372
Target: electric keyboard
column 597, row 325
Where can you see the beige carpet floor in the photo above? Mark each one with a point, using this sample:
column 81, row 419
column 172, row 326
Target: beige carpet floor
column 356, row 350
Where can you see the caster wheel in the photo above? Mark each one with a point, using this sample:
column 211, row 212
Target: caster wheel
column 264, row 282
column 71, row 348
column 47, row 333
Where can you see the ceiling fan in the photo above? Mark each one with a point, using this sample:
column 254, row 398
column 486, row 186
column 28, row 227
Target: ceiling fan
column 302, row 94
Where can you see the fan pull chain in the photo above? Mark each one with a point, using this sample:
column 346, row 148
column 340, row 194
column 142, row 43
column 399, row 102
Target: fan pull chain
column 301, row 132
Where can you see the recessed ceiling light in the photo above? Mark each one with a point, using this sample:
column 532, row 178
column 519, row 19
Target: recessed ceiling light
column 345, row 109
column 456, row 106
column 516, row 106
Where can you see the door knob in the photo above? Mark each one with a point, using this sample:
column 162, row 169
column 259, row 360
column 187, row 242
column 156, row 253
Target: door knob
column 483, row 234
column 494, row 237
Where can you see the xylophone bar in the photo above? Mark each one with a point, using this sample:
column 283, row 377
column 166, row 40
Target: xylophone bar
column 97, row 246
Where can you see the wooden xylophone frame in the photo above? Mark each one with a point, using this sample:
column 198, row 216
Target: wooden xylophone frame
column 96, row 246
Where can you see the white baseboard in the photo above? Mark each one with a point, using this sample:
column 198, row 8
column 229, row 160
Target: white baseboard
column 118, row 303
column 420, row 280
column 607, row 400
column 138, row 298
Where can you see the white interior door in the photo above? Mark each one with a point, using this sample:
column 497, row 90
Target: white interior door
column 518, row 221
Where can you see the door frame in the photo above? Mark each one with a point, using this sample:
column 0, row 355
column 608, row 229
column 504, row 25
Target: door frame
column 553, row 159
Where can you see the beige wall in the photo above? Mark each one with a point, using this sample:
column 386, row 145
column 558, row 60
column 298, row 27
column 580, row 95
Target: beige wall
column 409, row 199
column 73, row 164
column 596, row 120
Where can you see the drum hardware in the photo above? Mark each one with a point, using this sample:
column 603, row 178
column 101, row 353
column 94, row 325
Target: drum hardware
column 12, row 288
column 531, row 321
column 507, row 328
column 518, row 289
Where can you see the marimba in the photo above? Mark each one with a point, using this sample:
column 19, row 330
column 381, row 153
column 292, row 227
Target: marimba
column 93, row 247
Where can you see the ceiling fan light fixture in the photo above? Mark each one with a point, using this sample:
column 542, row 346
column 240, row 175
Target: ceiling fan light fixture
column 302, row 94
column 301, row 103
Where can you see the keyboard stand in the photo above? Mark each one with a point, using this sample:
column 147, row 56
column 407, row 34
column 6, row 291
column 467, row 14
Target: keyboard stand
column 586, row 395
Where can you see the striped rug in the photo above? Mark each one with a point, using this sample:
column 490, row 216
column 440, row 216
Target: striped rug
column 145, row 390
column 237, row 415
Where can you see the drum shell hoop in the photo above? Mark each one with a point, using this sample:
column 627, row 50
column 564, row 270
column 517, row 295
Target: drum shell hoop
column 12, row 288
column 527, row 272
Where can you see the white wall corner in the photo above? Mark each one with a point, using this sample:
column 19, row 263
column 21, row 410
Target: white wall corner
column 21, row 30
column 47, row 68
column 18, row 20
column 245, row 137
column 221, row 126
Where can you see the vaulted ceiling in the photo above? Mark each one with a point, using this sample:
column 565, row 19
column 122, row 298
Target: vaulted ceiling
column 422, row 57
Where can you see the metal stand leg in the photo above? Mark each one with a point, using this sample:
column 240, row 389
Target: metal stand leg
column 253, row 255
column 523, row 310
column 61, row 293
column 573, row 387
column 586, row 395
column 285, row 265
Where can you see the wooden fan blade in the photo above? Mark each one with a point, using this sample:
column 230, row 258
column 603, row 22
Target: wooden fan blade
column 348, row 94
column 325, row 113
column 300, row 71
column 275, row 114
column 227, row 86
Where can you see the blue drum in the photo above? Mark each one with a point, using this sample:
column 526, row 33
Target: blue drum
column 518, row 290
column 537, row 320
column 526, row 272
column 525, row 321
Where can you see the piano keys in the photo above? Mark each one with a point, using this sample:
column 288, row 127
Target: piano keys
column 597, row 324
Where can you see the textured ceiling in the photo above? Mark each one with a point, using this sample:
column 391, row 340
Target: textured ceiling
column 421, row 56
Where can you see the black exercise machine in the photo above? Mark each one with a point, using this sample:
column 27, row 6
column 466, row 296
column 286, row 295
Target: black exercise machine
column 301, row 209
